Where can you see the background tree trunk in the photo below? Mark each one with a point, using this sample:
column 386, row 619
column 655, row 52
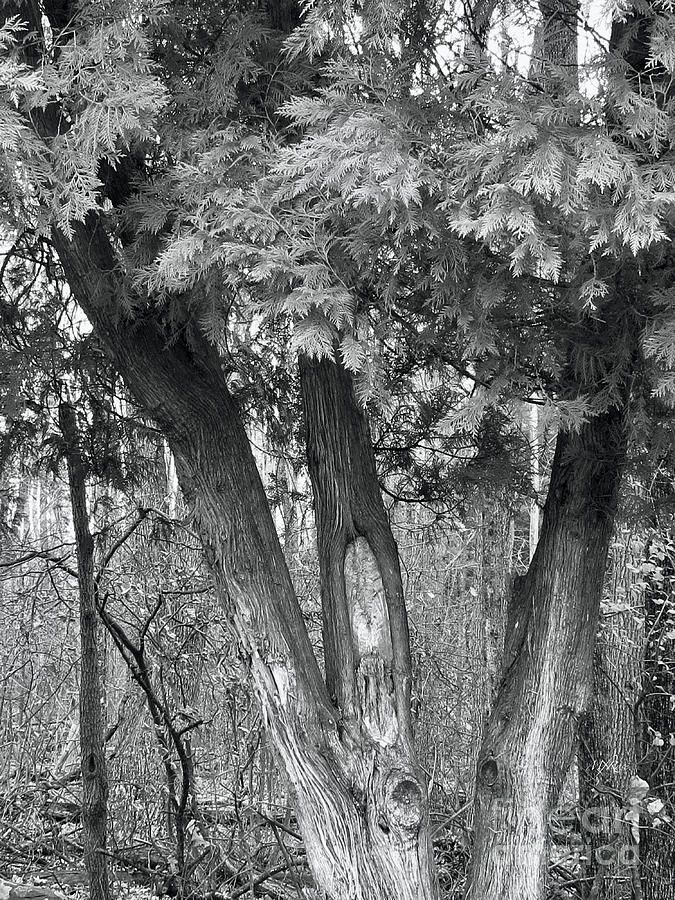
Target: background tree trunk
column 92, row 744
column 494, row 550
column 657, row 713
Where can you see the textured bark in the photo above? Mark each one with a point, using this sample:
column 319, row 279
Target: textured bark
column 552, row 621
column 366, row 641
column 358, row 850
column 92, row 743
column 607, row 750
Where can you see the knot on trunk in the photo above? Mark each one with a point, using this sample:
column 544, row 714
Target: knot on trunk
column 404, row 802
column 488, row 774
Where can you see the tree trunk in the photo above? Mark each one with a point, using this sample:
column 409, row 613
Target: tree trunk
column 552, row 620
column 607, row 757
column 657, row 767
column 92, row 743
column 494, row 549
column 358, row 848
column 366, row 640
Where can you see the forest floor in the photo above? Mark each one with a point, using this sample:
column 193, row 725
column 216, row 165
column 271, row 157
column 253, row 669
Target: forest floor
column 56, row 885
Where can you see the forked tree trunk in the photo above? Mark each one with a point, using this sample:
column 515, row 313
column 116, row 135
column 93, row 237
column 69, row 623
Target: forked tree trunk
column 552, row 620
column 92, row 742
column 607, row 757
column 365, row 625
column 363, row 821
column 553, row 611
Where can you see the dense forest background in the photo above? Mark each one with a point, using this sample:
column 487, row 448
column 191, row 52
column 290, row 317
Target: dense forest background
column 337, row 539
